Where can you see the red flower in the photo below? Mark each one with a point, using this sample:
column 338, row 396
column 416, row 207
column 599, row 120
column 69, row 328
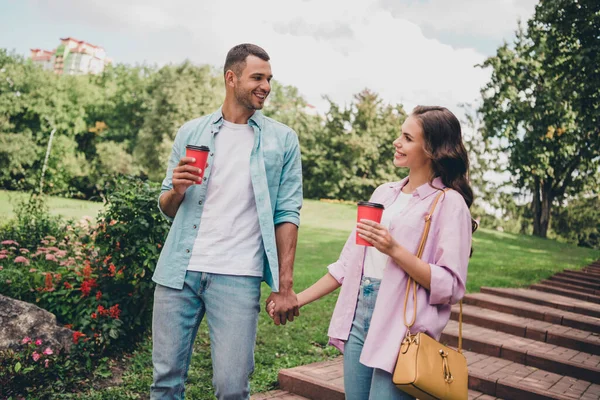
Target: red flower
column 76, row 336
column 114, row 311
column 94, row 315
column 68, row 285
column 87, row 270
column 112, row 269
column 86, row 287
column 102, row 311
column 107, row 259
column 49, row 285
column 98, row 295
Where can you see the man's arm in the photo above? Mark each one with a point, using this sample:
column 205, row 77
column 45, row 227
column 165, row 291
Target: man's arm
column 183, row 178
column 286, row 237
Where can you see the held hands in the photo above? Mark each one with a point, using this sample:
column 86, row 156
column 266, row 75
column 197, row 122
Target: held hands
column 378, row 235
column 185, row 175
column 282, row 307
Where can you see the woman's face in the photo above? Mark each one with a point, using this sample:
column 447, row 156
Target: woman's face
column 410, row 152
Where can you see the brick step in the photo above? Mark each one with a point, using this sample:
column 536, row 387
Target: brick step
column 580, row 275
column 569, row 286
column 490, row 378
column 582, row 282
column 543, row 331
column 277, row 395
column 317, row 381
column 546, row 299
column 475, row 395
column 533, row 311
column 510, row 380
column 552, row 358
column 592, row 269
column 574, row 294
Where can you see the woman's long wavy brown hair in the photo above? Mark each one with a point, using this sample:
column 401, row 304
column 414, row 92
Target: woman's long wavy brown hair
column 443, row 144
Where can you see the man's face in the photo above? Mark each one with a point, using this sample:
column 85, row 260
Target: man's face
column 253, row 86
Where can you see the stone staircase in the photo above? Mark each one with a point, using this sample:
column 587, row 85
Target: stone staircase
column 537, row 343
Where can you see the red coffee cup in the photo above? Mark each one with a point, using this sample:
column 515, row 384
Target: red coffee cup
column 370, row 211
column 200, row 153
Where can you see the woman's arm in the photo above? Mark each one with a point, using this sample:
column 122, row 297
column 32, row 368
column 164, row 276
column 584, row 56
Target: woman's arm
column 322, row 287
column 379, row 236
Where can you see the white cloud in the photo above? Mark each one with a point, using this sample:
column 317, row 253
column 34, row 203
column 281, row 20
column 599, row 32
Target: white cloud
column 325, row 47
column 492, row 18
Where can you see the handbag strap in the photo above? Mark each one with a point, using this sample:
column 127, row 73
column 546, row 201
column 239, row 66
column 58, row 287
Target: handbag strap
column 411, row 284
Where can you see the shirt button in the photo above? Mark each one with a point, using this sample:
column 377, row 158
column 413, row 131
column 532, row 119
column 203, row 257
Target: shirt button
column 187, row 250
column 204, row 179
column 212, row 154
column 195, row 226
column 200, row 202
column 367, row 281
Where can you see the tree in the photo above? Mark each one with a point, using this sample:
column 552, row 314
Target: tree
column 550, row 153
column 583, row 213
column 33, row 102
column 569, row 30
column 353, row 152
column 178, row 94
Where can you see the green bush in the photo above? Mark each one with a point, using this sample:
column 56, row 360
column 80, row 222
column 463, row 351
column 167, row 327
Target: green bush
column 130, row 234
column 32, row 223
column 579, row 221
column 95, row 279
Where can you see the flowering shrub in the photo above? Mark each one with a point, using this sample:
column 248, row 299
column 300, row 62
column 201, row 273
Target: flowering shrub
column 129, row 238
column 96, row 279
column 28, row 367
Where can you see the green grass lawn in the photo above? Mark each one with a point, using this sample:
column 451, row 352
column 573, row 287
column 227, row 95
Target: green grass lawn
column 68, row 208
column 499, row 259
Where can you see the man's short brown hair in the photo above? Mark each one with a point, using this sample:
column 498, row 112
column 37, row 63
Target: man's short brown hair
column 236, row 57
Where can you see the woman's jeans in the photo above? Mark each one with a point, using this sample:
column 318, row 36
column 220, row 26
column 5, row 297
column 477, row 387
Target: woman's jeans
column 231, row 305
column 362, row 382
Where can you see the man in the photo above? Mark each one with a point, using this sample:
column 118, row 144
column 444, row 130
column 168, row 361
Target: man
column 231, row 230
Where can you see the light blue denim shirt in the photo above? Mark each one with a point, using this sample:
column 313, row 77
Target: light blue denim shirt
column 276, row 175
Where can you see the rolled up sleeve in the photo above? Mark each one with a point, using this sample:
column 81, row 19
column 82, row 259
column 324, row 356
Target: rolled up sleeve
column 289, row 196
column 167, row 183
column 451, row 252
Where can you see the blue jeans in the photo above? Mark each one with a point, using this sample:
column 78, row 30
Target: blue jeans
column 362, row 382
column 231, row 305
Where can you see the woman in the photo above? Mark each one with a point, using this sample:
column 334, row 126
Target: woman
column 368, row 321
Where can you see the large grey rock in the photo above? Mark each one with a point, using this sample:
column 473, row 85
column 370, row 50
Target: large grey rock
column 19, row 319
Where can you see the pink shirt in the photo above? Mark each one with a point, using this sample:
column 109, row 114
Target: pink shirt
column 447, row 252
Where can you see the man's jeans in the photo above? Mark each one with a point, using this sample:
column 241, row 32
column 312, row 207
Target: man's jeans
column 231, row 304
column 362, row 382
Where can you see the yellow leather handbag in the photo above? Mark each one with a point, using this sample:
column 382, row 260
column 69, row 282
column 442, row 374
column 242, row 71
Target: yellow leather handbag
column 426, row 369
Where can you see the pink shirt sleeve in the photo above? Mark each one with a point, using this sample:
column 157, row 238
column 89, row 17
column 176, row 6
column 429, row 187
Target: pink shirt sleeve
column 450, row 253
column 338, row 268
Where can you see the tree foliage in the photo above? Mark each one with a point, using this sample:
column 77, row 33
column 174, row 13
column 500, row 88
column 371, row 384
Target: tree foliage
column 537, row 105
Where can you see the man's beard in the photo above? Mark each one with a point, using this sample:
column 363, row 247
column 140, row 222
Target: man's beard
column 244, row 98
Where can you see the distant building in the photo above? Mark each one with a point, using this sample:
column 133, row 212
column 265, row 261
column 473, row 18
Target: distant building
column 72, row 57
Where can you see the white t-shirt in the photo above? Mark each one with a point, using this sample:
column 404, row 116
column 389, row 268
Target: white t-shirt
column 229, row 239
column 375, row 261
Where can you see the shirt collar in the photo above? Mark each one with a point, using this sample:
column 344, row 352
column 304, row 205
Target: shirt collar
column 423, row 191
column 257, row 118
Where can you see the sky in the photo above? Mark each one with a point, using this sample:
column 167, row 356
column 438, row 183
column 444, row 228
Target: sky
column 409, row 51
